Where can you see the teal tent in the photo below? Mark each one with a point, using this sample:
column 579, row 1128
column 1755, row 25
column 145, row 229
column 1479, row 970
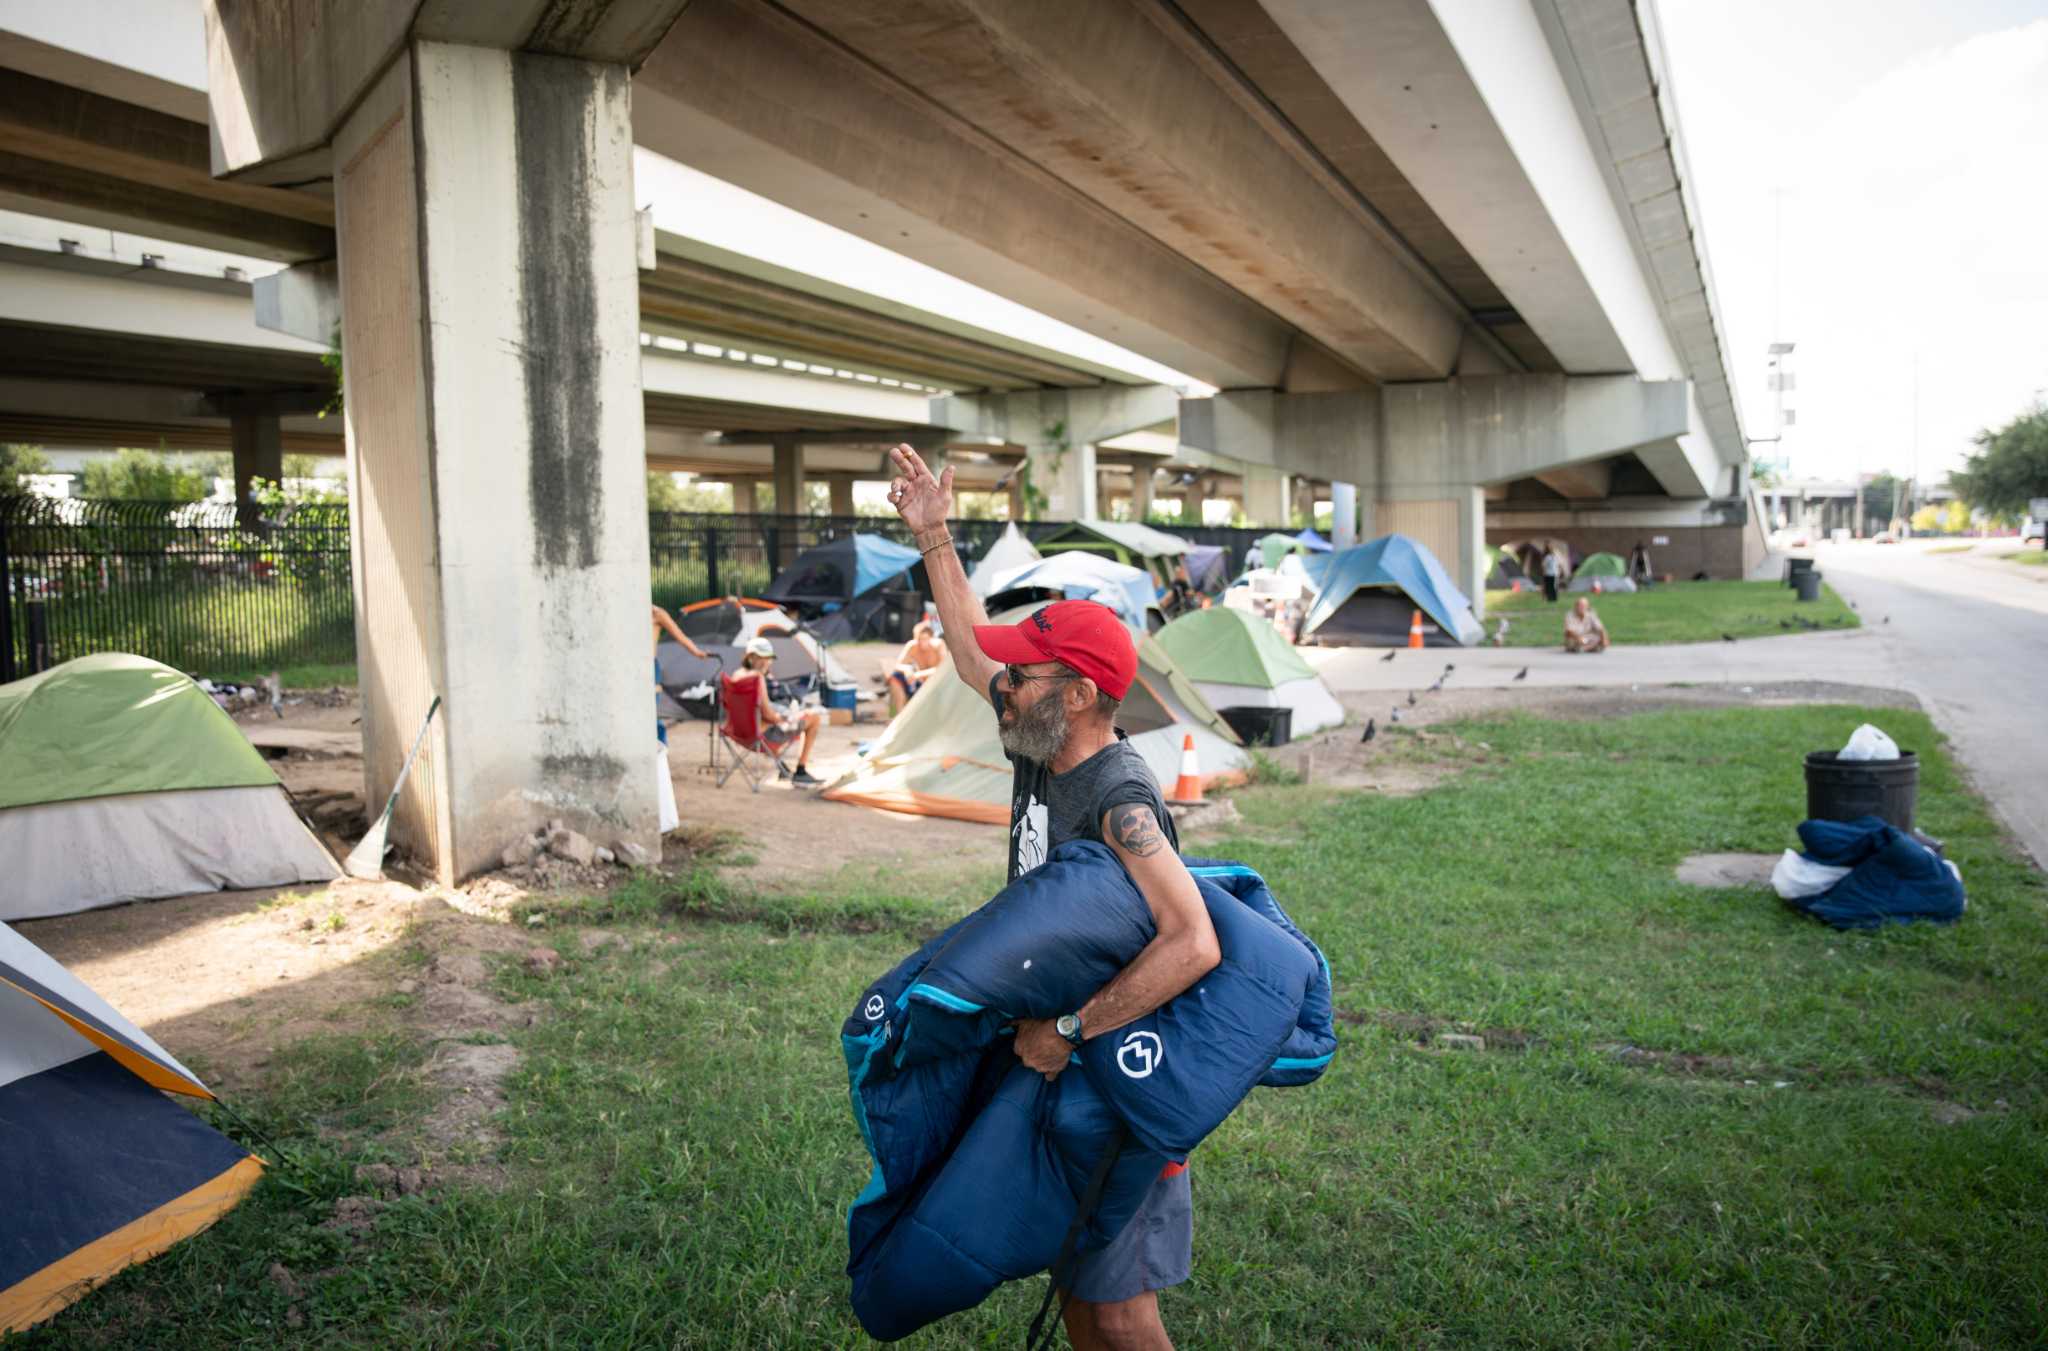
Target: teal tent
column 1365, row 597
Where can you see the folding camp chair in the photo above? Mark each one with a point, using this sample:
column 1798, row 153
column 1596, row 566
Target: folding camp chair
column 740, row 728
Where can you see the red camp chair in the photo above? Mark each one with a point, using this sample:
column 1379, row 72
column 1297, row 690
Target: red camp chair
column 740, row 694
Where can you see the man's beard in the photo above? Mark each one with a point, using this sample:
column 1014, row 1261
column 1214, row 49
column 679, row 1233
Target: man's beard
column 1037, row 733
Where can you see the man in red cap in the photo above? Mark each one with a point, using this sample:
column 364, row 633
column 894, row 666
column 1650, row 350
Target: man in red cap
column 1056, row 680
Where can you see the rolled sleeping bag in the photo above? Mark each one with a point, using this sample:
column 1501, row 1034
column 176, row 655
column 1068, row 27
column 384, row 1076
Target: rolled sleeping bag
column 978, row 1161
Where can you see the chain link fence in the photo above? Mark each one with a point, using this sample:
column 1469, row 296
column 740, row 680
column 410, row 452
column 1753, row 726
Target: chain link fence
column 190, row 585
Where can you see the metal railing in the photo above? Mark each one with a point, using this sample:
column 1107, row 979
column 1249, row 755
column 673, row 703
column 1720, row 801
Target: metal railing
column 189, row 585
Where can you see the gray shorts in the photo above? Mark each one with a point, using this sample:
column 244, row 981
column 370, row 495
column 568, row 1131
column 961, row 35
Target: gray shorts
column 1153, row 1252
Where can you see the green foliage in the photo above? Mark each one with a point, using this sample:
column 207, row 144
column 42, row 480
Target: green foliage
column 302, row 482
column 1955, row 518
column 1929, row 519
column 1674, row 612
column 2010, row 469
column 1699, row 1120
column 331, row 359
column 1882, row 497
column 155, row 476
column 1264, row 771
column 664, row 493
column 18, row 461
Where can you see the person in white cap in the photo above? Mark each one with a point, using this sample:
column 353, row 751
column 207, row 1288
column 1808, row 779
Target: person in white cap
column 779, row 728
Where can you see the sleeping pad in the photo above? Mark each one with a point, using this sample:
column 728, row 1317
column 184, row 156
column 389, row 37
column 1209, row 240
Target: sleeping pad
column 979, row 1162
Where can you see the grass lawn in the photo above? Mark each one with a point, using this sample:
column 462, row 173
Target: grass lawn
column 1675, row 612
column 2033, row 557
column 1950, row 549
column 1769, row 1168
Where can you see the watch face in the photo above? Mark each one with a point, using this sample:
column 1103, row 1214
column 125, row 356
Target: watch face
column 1068, row 1025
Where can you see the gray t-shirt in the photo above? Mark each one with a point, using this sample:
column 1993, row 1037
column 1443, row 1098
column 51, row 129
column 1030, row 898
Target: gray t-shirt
column 1049, row 809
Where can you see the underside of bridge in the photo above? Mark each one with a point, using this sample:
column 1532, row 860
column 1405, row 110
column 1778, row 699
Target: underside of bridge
column 1439, row 259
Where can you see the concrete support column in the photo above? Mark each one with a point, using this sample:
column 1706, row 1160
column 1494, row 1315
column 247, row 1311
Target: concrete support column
column 842, row 496
column 744, row 499
column 1266, row 497
column 1065, row 478
column 496, row 449
column 1343, row 515
column 258, row 442
column 1141, row 490
column 792, row 496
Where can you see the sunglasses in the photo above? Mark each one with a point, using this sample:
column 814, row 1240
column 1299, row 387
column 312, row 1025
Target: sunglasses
column 1017, row 675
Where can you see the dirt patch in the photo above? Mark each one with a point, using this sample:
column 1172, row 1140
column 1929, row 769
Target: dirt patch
column 1441, row 1033
column 1721, row 871
column 470, row 1080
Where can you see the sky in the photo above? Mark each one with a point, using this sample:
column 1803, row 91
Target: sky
column 1897, row 149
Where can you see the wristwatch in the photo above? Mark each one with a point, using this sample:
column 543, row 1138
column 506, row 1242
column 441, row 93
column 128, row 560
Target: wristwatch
column 1068, row 1025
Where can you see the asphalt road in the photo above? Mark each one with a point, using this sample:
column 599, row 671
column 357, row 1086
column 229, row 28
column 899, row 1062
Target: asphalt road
column 1969, row 636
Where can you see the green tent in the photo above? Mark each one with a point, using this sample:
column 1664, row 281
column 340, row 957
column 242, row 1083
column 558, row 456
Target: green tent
column 116, row 723
column 1131, row 543
column 124, row 781
column 1239, row 660
column 1600, row 565
column 1276, row 546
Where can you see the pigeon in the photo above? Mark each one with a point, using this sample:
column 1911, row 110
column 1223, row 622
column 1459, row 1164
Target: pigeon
column 1522, row 674
column 1395, row 715
column 1727, row 637
column 1372, row 729
column 1439, row 685
column 1388, row 657
column 1852, row 604
column 1449, row 667
column 1411, row 698
column 1887, row 619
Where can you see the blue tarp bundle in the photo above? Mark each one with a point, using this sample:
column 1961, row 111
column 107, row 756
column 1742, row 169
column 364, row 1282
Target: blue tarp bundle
column 1893, row 878
column 978, row 1161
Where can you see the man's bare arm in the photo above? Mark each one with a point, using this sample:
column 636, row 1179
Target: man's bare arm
column 1183, row 948
column 924, row 503
column 665, row 621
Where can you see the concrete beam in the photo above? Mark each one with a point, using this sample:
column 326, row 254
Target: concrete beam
column 1130, row 109
column 303, row 302
column 1579, row 482
column 1489, row 429
column 759, row 98
column 284, row 73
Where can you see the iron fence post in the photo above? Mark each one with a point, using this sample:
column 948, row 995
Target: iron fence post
column 711, row 562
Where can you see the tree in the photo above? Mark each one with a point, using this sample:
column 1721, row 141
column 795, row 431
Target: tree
column 155, row 476
column 17, row 462
column 1956, row 519
column 1880, row 501
column 1928, row 519
column 2011, row 469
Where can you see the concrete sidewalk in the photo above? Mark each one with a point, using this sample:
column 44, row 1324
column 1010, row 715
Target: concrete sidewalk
column 1849, row 657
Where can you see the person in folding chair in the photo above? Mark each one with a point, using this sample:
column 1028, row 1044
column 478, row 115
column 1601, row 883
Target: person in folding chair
column 754, row 724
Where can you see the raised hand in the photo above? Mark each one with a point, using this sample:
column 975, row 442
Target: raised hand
column 922, row 501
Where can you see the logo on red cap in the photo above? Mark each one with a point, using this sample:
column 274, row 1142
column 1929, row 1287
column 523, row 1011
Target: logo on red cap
column 1082, row 635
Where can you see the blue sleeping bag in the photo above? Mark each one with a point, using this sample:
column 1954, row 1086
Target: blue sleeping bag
column 1892, row 877
column 978, row 1161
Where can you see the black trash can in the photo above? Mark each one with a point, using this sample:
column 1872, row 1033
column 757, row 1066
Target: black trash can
column 1842, row 790
column 1808, row 583
column 1257, row 726
column 1795, row 568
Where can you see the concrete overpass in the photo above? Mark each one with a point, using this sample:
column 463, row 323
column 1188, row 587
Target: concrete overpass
column 1439, row 252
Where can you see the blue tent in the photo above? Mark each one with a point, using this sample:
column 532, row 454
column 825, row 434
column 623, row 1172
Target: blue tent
column 1078, row 575
column 1366, row 596
column 836, row 585
column 1310, row 539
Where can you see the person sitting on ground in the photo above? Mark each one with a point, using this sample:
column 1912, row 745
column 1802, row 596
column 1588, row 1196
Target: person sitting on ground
column 1583, row 631
column 780, row 727
column 917, row 663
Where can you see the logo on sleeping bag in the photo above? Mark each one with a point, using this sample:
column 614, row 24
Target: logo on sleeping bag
column 1140, row 1054
column 872, row 1009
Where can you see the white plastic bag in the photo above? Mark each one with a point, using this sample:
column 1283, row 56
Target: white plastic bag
column 1797, row 877
column 665, row 790
column 1868, row 743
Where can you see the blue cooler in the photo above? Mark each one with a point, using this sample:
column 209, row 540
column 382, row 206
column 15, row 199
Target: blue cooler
column 843, row 696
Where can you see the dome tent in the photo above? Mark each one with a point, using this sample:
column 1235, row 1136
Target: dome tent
column 1600, row 565
column 1367, row 596
column 1238, row 660
column 1131, row 543
column 837, row 586
column 1010, row 552
column 126, row 782
column 942, row 755
column 1079, row 575
column 103, row 1170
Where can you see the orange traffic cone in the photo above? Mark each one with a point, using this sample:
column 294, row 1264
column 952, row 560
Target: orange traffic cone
column 1189, row 786
column 1415, row 630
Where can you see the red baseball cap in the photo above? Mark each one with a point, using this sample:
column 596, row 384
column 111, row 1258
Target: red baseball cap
column 1081, row 634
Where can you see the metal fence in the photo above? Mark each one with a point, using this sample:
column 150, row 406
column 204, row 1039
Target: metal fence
column 191, row 586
